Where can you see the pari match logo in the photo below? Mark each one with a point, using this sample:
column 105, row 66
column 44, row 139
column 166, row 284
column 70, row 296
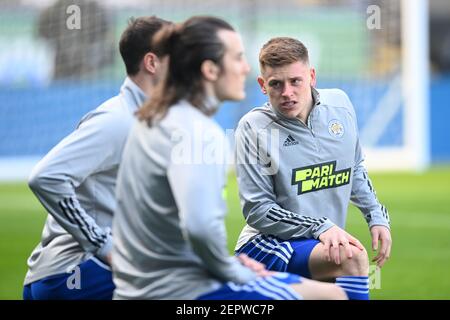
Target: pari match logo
column 319, row 176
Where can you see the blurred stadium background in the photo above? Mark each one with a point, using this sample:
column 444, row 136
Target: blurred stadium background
column 52, row 74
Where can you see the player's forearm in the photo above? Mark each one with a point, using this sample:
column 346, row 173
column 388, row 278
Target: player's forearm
column 272, row 219
column 59, row 199
column 363, row 196
column 376, row 215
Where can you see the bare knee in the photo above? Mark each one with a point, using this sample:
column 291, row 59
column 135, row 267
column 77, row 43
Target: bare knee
column 358, row 265
column 324, row 270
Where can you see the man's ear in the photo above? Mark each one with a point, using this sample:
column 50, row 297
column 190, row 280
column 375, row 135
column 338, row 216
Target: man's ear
column 313, row 77
column 261, row 84
column 150, row 61
column 210, row 70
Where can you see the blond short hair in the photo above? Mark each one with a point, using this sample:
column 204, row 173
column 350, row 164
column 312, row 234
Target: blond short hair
column 281, row 51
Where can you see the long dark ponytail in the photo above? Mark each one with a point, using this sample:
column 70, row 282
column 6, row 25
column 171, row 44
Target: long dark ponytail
column 186, row 46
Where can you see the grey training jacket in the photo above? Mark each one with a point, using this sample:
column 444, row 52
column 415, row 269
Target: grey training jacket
column 169, row 229
column 75, row 182
column 296, row 180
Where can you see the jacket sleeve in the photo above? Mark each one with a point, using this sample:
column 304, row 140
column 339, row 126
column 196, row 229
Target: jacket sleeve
column 363, row 194
column 197, row 190
column 90, row 148
column 255, row 167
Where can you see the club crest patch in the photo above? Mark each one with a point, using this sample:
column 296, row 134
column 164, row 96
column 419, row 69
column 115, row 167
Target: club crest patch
column 335, row 128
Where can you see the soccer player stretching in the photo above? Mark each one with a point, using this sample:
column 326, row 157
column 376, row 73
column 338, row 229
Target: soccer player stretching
column 169, row 231
column 299, row 165
column 76, row 180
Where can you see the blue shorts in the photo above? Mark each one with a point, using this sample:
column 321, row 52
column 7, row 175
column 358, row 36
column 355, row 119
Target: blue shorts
column 281, row 255
column 94, row 283
column 276, row 287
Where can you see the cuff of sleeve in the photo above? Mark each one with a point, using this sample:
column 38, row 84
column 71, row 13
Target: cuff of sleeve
column 322, row 228
column 379, row 222
column 104, row 250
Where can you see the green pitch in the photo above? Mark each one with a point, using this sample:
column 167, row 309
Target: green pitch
column 419, row 205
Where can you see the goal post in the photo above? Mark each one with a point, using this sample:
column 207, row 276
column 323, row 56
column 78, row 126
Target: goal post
column 414, row 154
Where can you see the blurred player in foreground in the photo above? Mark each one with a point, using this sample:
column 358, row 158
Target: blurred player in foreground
column 169, row 230
column 307, row 166
column 76, row 180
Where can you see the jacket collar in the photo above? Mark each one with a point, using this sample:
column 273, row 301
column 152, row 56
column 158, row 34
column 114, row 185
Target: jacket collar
column 133, row 94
